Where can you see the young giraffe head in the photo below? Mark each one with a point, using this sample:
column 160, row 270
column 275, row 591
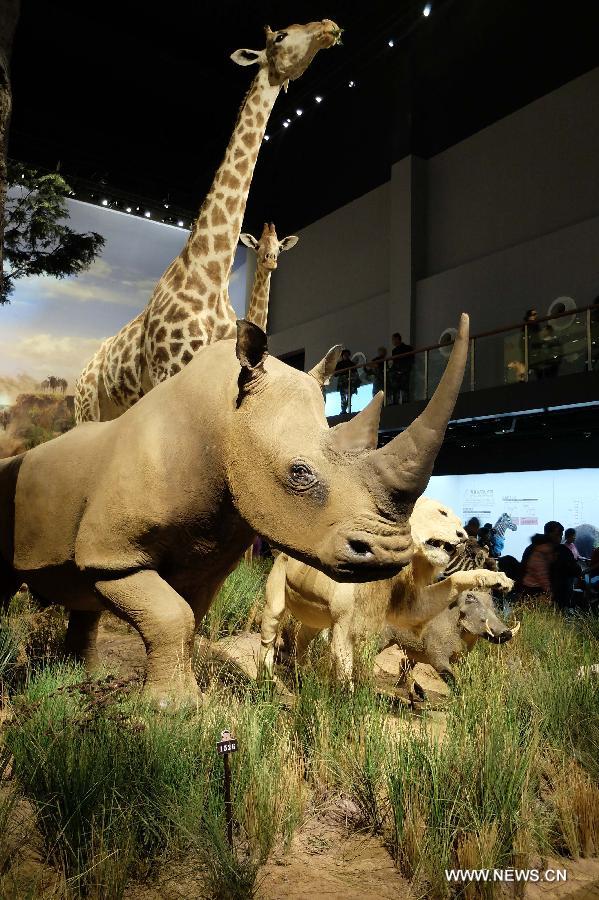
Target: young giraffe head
column 267, row 249
column 289, row 52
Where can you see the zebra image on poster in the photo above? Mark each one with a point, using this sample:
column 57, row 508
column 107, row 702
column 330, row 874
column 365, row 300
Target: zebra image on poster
column 570, row 496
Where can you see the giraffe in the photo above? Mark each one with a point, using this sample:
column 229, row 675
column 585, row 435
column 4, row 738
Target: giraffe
column 190, row 305
column 267, row 251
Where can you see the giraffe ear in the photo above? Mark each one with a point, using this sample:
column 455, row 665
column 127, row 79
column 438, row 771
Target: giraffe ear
column 249, row 240
column 288, row 242
column 248, row 57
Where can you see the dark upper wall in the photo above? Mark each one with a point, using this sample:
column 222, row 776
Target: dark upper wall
column 532, row 173
column 504, row 220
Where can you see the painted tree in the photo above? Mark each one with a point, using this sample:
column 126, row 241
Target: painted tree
column 9, row 14
column 37, row 239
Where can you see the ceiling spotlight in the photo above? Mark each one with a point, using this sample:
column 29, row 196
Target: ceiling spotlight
column 180, row 223
column 285, row 124
column 166, row 205
column 147, row 214
column 352, row 84
column 391, row 43
column 137, row 208
column 128, row 209
column 104, row 202
column 318, row 98
column 266, row 137
column 299, row 112
column 427, row 10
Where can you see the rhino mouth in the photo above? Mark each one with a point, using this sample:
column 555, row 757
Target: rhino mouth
column 364, row 572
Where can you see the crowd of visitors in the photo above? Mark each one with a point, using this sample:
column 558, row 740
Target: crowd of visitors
column 549, row 567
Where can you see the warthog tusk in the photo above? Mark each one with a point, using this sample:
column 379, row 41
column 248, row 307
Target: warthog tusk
column 487, row 629
column 515, row 629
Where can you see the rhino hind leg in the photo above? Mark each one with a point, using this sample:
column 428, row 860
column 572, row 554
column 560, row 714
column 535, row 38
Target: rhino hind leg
column 166, row 624
column 82, row 634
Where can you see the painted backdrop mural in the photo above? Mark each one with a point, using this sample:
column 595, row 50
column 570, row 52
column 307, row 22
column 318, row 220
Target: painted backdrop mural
column 53, row 327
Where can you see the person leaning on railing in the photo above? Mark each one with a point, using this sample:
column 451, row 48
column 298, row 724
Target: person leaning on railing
column 377, row 367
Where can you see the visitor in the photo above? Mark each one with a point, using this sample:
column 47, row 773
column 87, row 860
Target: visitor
column 484, row 536
column 377, row 367
column 472, row 527
column 400, row 369
column 550, row 351
column 346, row 379
column 569, row 542
column 548, row 567
column 595, row 334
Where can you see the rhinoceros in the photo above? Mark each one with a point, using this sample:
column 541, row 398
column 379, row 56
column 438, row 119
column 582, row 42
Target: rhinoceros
column 452, row 633
column 147, row 514
column 407, row 601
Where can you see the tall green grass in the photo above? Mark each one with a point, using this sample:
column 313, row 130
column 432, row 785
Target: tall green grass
column 238, row 601
column 511, row 771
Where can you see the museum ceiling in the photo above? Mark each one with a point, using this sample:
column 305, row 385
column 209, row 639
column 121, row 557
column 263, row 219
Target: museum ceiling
column 144, row 97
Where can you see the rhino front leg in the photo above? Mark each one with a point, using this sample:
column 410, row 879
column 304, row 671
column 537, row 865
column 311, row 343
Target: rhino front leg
column 166, row 624
column 82, row 635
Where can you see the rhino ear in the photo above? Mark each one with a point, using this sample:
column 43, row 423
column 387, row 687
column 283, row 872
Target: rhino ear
column 323, row 370
column 251, row 347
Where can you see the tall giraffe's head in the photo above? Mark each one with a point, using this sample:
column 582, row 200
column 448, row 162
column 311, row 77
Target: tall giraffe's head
column 267, row 249
column 289, row 52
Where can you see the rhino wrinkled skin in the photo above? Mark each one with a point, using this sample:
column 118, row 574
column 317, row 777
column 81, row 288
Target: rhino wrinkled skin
column 147, row 514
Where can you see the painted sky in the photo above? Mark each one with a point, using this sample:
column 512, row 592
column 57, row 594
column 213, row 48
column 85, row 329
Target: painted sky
column 54, row 326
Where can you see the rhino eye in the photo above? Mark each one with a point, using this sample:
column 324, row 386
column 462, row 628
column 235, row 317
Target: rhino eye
column 301, row 476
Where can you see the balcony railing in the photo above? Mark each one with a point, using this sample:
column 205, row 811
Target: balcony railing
column 552, row 346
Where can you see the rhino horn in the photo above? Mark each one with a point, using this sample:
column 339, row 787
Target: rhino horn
column 360, row 432
column 323, row 370
column 405, row 464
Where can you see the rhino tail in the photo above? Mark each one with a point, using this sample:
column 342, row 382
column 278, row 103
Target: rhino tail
column 10, row 580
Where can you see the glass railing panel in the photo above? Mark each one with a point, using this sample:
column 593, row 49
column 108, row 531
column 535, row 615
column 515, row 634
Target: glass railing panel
column 558, row 347
column 438, row 358
column 499, row 359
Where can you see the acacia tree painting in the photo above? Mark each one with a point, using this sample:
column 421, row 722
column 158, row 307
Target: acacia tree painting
column 9, row 14
column 37, row 240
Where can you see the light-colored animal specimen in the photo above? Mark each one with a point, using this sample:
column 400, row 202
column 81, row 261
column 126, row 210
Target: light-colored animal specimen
column 190, row 306
column 407, row 601
column 267, row 251
column 147, row 514
column 452, row 633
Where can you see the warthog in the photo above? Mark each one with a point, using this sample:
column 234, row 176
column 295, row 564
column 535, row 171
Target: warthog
column 452, row 633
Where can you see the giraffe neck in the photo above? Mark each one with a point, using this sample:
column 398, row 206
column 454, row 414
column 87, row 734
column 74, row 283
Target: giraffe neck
column 258, row 309
column 213, row 241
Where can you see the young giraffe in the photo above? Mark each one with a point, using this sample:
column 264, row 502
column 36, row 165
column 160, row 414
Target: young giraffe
column 190, row 305
column 267, row 251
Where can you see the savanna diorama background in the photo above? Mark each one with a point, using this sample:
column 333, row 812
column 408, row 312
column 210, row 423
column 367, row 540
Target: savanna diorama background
column 52, row 327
